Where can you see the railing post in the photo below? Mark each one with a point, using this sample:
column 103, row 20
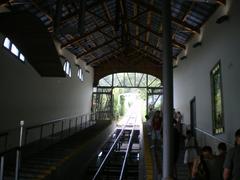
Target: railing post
column 84, row 122
column 76, row 123
column 92, row 117
column 2, row 168
column 41, row 132
column 62, row 126
column 62, row 129
column 69, row 126
column 89, row 118
column 81, row 122
column 18, row 151
column 53, row 127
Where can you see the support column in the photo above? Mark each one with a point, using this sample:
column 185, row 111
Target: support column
column 147, row 96
column 167, row 93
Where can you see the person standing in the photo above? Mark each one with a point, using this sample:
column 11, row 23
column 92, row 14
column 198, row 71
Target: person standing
column 190, row 151
column 232, row 161
column 156, row 128
column 220, row 158
column 176, row 146
column 149, row 117
column 179, row 119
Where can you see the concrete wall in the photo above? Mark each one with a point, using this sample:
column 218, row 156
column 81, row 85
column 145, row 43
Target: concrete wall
column 25, row 95
column 192, row 76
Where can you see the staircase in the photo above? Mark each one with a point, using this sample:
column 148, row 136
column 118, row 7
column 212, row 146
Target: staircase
column 47, row 163
column 156, row 158
column 182, row 169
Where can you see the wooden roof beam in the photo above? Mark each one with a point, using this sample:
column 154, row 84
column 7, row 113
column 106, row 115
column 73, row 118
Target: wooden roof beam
column 174, row 42
column 81, row 16
column 191, row 6
column 101, row 57
column 106, row 11
column 158, row 59
column 75, row 40
column 106, row 35
column 149, row 22
column 159, row 39
column 158, row 11
column 97, row 47
column 58, row 14
column 146, row 43
column 135, row 11
column 125, row 22
column 144, row 52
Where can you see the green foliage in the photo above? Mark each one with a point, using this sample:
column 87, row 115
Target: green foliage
column 122, row 105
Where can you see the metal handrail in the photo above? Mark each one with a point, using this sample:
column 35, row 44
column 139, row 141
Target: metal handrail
column 55, row 121
column 61, row 120
column 18, row 148
column 126, row 154
column 109, row 152
column 214, row 137
column 210, row 135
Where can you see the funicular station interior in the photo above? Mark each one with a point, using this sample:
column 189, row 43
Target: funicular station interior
column 79, row 76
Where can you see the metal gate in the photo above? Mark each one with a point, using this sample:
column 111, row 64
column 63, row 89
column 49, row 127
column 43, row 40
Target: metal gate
column 102, row 103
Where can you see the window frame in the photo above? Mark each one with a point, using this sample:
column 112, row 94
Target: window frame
column 9, row 49
column 217, row 71
column 67, row 69
column 6, row 38
column 80, row 73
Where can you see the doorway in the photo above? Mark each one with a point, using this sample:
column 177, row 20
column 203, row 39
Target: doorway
column 193, row 121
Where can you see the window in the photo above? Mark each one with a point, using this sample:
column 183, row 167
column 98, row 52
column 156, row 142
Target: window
column 67, row 68
column 13, row 49
column 217, row 99
column 21, row 57
column 7, row 43
column 80, row 73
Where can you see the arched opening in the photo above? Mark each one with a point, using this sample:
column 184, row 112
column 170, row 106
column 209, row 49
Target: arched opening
column 119, row 94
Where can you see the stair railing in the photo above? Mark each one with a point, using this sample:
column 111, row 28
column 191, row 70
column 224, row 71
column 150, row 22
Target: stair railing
column 60, row 127
column 204, row 137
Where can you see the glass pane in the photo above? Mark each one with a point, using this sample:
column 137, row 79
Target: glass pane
column 14, row 50
column 153, row 81
column 141, row 80
column 70, row 72
column 106, row 81
column 78, row 73
column 65, row 66
column 22, row 58
column 6, row 43
column 218, row 125
column 82, row 75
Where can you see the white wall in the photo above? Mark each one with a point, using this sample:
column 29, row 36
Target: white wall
column 25, row 95
column 192, row 76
